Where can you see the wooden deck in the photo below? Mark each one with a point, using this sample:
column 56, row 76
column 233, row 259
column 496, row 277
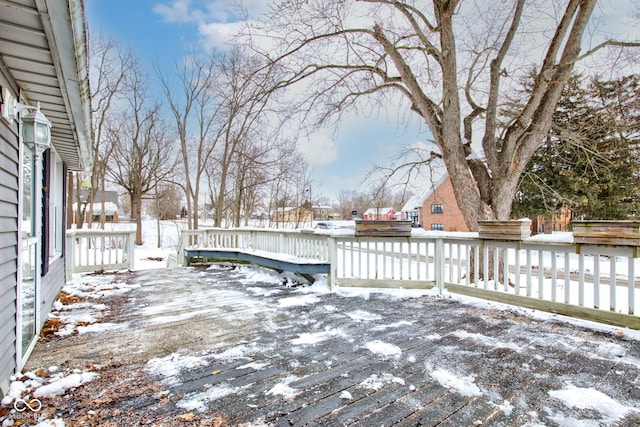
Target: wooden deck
column 275, row 356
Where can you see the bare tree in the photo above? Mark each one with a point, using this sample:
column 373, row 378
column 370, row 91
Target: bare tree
column 143, row 155
column 454, row 62
column 109, row 67
column 195, row 110
column 243, row 88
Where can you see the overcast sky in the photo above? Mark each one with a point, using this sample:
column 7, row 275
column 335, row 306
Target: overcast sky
column 163, row 31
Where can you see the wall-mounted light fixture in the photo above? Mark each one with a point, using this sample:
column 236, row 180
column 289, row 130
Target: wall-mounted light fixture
column 36, row 128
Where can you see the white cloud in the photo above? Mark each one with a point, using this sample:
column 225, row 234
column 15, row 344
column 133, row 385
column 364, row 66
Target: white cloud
column 176, row 12
column 319, row 150
column 217, row 34
column 218, row 21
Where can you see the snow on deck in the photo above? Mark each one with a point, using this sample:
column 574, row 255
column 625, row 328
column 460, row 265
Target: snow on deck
column 234, row 345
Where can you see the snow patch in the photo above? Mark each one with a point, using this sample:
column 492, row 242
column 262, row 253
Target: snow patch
column 263, row 291
column 309, row 338
column 361, row 315
column 100, row 327
column 486, row 340
column 197, row 401
column 298, row 301
column 169, row 367
column 464, row 385
column 376, row 382
column 254, row 365
column 392, row 325
column 232, row 353
column 284, row 389
column 346, row 395
column 384, row 349
column 590, row 398
column 59, row 384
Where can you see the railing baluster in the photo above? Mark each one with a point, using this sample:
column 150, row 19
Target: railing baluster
column 554, row 276
column 631, row 284
column 612, row 283
column 567, row 278
column 517, row 272
column 581, row 279
column 540, row 274
column 505, row 285
column 596, row 281
column 528, row 273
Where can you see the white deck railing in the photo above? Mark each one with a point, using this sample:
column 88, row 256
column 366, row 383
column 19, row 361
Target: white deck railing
column 302, row 245
column 95, row 250
column 594, row 282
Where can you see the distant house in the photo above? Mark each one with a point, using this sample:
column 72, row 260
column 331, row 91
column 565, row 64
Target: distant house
column 379, row 214
column 559, row 222
column 298, row 214
column 436, row 208
column 324, row 212
column 110, row 206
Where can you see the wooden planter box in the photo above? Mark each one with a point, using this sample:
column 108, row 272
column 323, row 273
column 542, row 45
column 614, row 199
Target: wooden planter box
column 383, row 228
column 617, row 233
column 504, row 230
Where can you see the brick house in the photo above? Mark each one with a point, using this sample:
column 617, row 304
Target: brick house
column 379, row 214
column 559, row 222
column 436, row 208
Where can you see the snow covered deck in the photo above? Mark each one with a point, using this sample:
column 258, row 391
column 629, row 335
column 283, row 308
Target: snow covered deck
column 186, row 346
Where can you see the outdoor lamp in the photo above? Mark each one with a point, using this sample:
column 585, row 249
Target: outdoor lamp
column 36, row 128
column 36, row 131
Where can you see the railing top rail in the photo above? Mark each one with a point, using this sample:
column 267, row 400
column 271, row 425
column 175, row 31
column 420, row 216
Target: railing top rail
column 470, row 238
column 97, row 232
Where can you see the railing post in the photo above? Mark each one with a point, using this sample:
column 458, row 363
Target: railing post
column 70, row 257
column 332, row 257
column 130, row 249
column 439, row 259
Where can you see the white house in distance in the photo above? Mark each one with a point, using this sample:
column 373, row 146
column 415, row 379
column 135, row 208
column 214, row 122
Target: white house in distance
column 43, row 61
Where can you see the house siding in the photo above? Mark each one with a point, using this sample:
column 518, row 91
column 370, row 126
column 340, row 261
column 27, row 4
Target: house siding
column 50, row 289
column 9, row 193
column 58, row 79
column 451, row 218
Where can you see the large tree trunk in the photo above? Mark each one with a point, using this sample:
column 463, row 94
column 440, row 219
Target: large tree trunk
column 136, row 215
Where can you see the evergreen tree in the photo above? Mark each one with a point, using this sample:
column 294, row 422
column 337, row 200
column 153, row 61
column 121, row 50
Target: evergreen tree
column 589, row 161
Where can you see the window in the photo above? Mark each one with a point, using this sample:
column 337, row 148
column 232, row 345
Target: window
column 56, row 209
column 436, row 208
column 437, row 227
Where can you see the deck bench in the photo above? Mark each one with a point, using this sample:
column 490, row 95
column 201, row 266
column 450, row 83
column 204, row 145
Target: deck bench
column 302, row 266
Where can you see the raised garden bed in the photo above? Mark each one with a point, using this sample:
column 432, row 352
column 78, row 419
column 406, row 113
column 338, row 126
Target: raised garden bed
column 383, row 228
column 617, row 233
column 504, row 230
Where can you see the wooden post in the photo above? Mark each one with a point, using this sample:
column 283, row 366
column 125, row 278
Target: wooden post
column 439, row 259
column 332, row 257
column 131, row 248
